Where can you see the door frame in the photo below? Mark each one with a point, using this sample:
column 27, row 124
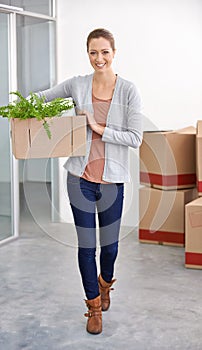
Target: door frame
column 12, row 12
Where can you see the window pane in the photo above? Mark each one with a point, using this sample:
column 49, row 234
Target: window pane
column 39, row 6
column 36, row 70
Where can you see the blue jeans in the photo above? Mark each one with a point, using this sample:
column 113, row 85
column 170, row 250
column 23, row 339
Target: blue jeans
column 87, row 198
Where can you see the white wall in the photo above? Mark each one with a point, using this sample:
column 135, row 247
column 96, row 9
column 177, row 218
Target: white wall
column 159, row 48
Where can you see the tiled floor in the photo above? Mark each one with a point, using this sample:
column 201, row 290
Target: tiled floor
column 156, row 303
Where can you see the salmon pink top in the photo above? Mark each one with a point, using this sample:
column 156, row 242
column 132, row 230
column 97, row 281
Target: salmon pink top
column 95, row 166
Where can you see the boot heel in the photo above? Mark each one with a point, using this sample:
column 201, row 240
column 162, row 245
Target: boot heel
column 94, row 314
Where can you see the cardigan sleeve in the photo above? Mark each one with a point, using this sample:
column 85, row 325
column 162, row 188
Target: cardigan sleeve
column 131, row 135
column 62, row 90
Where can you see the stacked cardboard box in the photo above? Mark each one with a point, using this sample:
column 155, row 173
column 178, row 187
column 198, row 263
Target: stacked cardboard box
column 193, row 212
column 68, row 137
column 168, row 169
column 199, row 156
column 168, row 159
column 193, row 247
column 162, row 215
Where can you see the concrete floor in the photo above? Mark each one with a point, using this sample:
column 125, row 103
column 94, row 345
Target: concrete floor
column 156, row 303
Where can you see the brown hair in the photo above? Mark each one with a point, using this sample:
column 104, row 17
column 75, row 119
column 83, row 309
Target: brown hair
column 101, row 33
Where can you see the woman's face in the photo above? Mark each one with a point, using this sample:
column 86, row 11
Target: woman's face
column 100, row 54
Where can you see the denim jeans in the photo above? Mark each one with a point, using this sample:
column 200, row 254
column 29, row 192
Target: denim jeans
column 86, row 199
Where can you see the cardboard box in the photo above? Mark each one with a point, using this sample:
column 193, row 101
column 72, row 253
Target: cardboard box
column 162, row 215
column 68, row 137
column 199, row 156
column 168, row 159
column 193, row 234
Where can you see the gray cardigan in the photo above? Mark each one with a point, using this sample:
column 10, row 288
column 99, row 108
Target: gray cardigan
column 123, row 126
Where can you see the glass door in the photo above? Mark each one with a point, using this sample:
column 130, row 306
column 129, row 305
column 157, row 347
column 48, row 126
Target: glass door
column 35, row 72
column 5, row 166
column 27, row 63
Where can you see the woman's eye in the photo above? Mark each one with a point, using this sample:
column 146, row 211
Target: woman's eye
column 92, row 53
column 105, row 52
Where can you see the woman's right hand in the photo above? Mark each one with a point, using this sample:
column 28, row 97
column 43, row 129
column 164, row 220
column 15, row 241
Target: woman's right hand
column 99, row 129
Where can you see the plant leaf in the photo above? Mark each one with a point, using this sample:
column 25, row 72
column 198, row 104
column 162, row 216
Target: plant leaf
column 35, row 107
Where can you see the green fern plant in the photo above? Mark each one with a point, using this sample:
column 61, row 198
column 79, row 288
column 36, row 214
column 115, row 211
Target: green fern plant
column 35, row 107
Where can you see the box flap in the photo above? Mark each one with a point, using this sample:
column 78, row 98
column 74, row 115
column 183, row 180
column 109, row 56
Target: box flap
column 158, row 131
column 188, row 130
column 19, row 137
column 195, row 203
column 79, row 135
column 199, row 128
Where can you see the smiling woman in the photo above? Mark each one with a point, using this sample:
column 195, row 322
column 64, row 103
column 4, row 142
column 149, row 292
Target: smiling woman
column 95, row 182
column 101, row 51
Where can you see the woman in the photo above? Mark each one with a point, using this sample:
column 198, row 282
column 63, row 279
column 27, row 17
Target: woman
column 95, row 182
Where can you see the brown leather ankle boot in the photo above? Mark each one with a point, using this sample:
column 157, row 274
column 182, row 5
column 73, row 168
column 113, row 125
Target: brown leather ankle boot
column 94, row 314
column 105, row 289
